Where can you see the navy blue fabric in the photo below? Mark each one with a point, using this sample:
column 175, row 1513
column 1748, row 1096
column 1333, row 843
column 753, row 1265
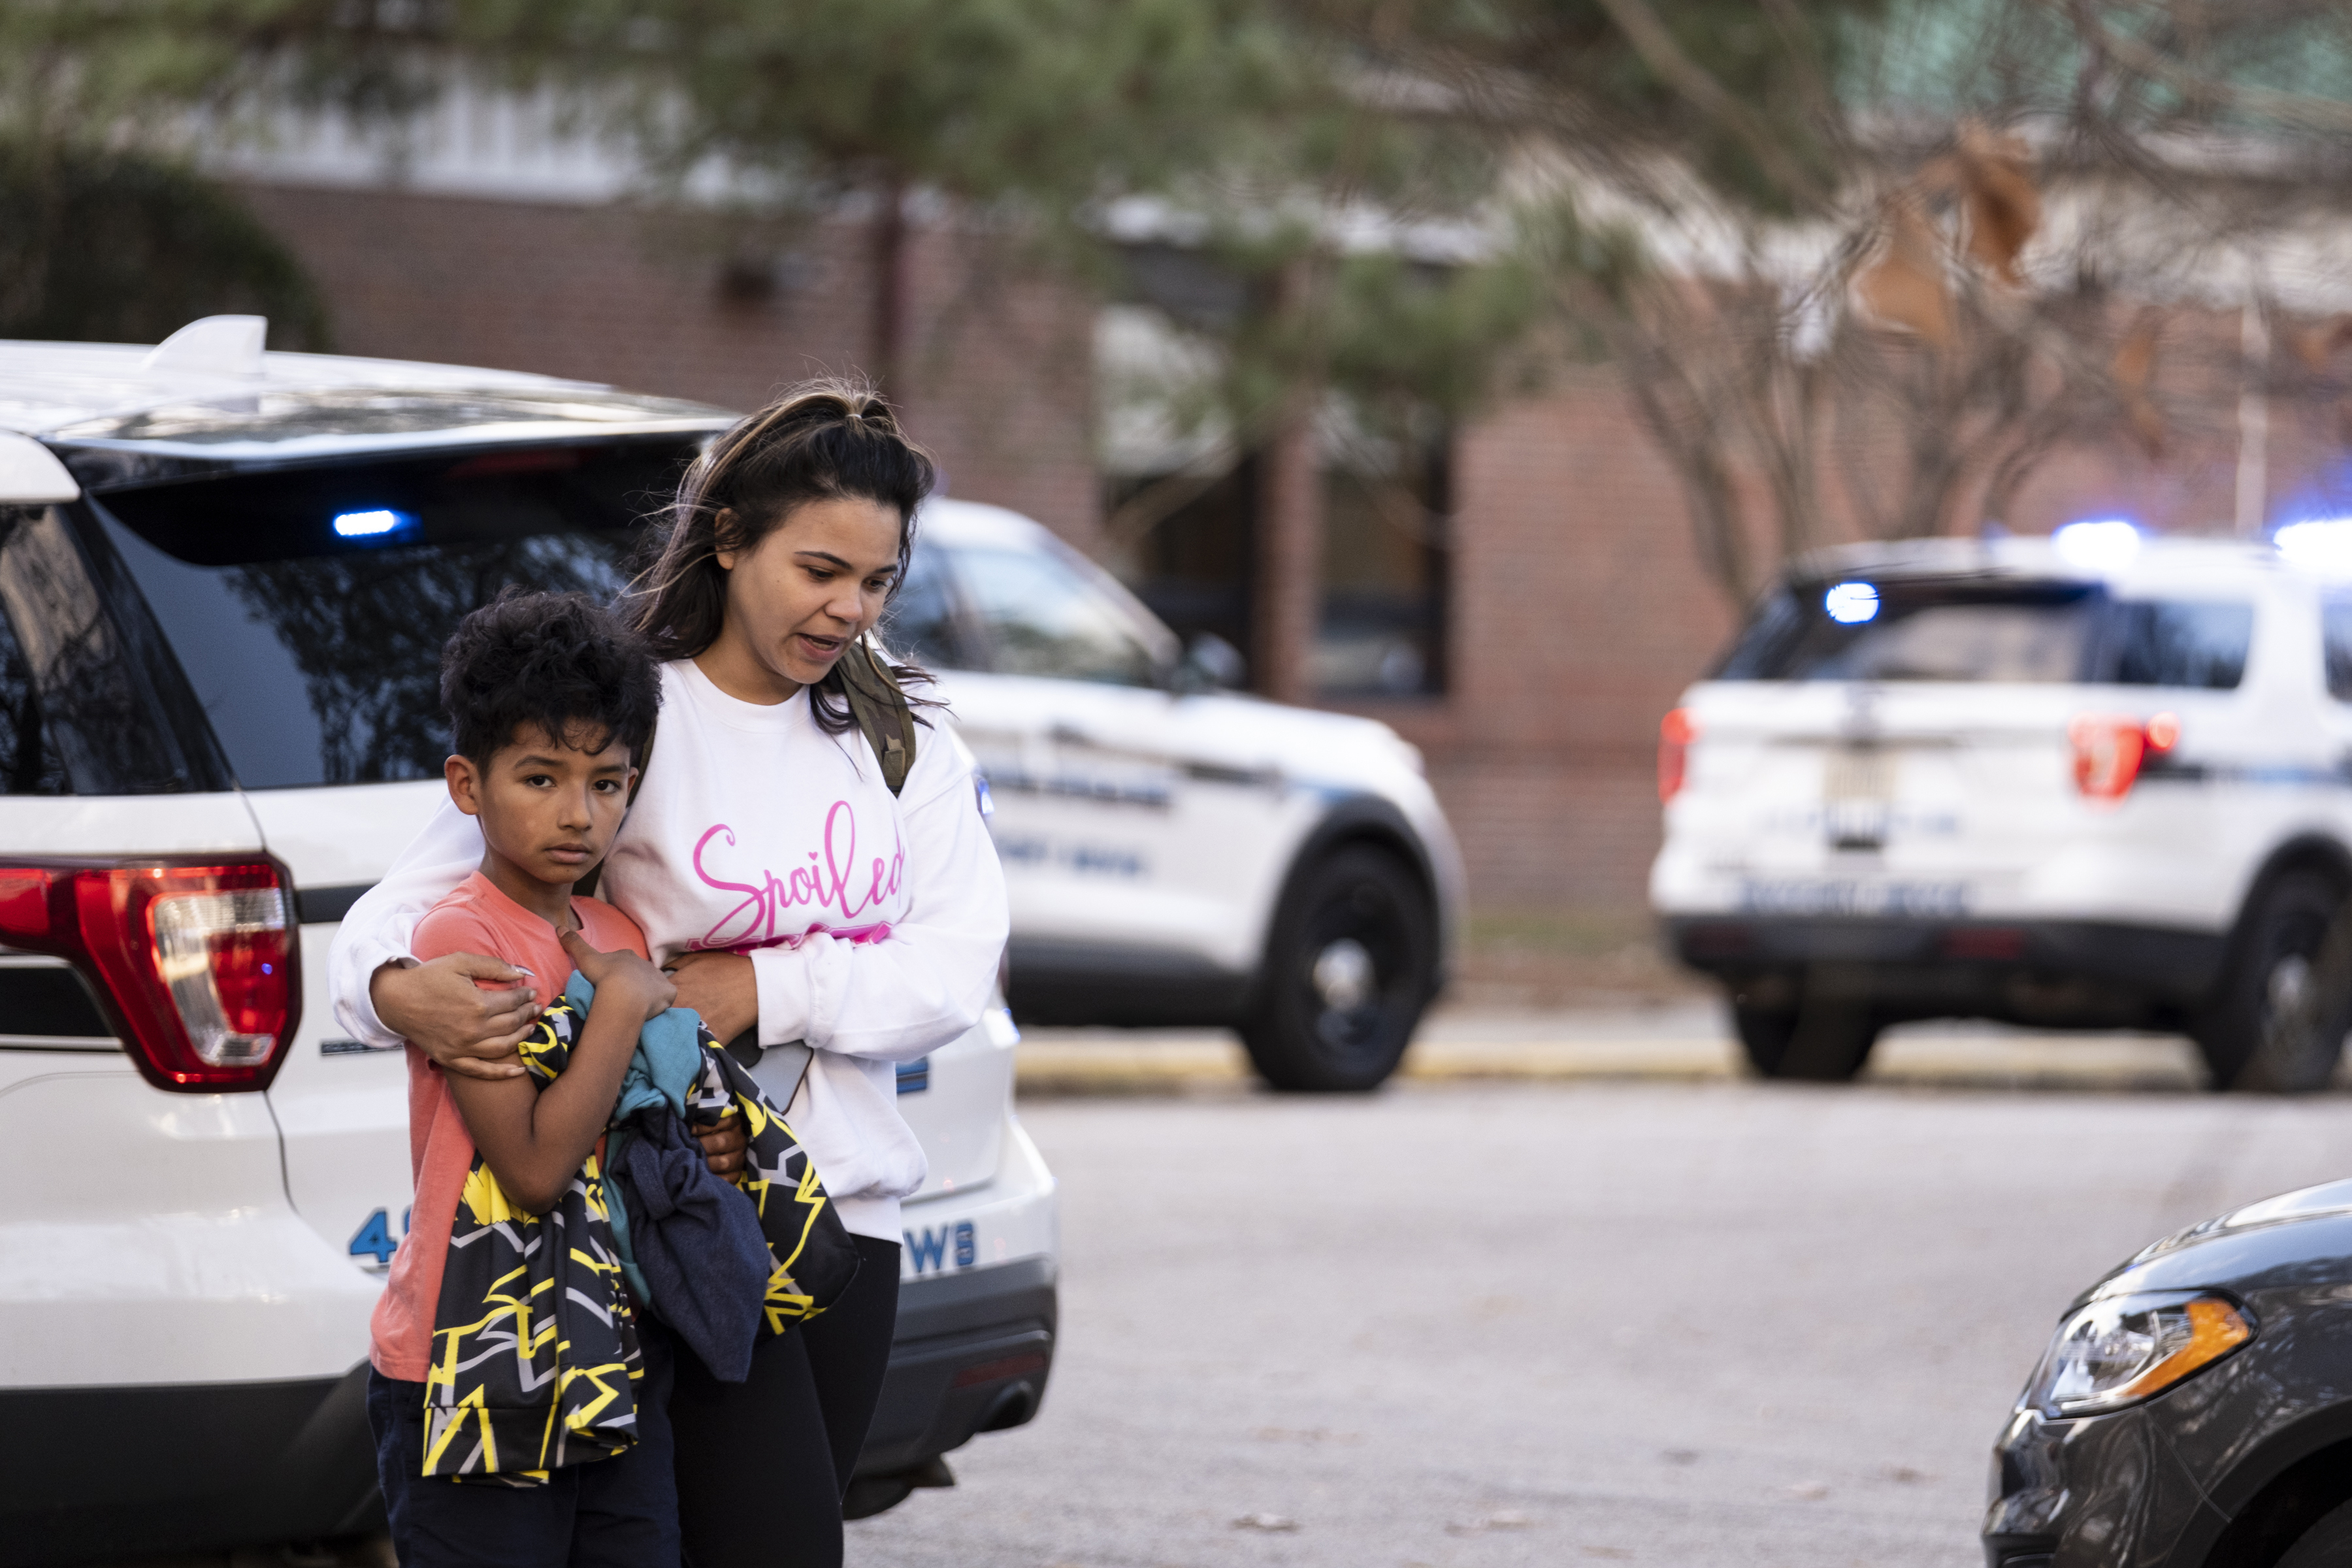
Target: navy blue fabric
column 696, row 1240
column 620, row 1512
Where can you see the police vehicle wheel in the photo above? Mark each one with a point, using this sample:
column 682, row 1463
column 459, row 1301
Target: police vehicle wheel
column 1807, row 1039
column 2277, row 1023
column 1351, row 963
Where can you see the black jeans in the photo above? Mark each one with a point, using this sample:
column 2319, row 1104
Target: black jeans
column 763, row 1464
column 619, row 1512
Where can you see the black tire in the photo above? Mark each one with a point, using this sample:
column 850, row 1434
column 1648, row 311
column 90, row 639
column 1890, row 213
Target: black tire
column 1807, row 1038
column 2326, row 1544
column 2277, row 1022
column 1350, row 964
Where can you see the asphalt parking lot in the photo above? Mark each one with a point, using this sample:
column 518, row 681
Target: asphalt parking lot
column 1592, row 1317
column 1573, row 1291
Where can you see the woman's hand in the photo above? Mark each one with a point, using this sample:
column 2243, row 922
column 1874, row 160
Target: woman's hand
column 625, row 977
column 722, row 988
column 723, row 1147
column 439, row 1009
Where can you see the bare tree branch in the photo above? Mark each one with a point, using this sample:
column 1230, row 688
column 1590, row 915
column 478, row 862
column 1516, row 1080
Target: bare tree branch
column 2287, row 107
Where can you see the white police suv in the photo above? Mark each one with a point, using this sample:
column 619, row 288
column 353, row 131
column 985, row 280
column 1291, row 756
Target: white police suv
column 217, row 728
column 2099, row 781
column 1176, row 853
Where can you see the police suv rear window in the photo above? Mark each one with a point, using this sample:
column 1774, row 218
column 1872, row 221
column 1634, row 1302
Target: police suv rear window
column 2336, row 626
column 80, row 711
column 1970, row 630
column 307, row 606
column 31, row 761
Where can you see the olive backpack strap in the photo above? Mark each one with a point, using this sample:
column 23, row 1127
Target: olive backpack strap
column 880, row 709
column 585, row 887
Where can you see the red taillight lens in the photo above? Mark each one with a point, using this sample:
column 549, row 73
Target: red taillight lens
column 24, row 903
column 25, row 895
column 1675, row 732
column 2111, row 749
column 197, row 961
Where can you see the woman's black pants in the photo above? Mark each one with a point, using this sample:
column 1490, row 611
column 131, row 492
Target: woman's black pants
column 763, row 1464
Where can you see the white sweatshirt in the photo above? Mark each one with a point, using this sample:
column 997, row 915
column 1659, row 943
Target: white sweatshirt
column 874, row 924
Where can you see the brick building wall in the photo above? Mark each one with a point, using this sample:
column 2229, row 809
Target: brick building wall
column 995, row 371
column 1578, row 608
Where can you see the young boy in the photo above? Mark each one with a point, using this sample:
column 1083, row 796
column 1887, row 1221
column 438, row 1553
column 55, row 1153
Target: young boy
column 520, row 1417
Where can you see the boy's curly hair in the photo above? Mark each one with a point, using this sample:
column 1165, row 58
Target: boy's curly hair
column 560, row 661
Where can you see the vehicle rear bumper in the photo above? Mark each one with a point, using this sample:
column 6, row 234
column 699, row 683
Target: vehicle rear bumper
column 972, row 1354
column 91, row 1473
column 2030, row 970
column 95, row 1465
column 977, row 1314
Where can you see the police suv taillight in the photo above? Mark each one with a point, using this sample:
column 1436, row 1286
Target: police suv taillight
column 196, row 963
column 2110, row 751
column 1676, row 730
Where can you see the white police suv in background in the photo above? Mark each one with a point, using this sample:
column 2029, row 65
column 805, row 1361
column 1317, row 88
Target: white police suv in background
column 225, row 579
column 2099, row 781
column 1175, row 853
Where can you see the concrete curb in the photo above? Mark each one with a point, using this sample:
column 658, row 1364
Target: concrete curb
column 1069, row 1062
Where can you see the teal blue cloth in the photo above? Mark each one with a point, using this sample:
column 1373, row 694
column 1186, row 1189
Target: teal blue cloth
column 664, row 1066
column 668, row 1060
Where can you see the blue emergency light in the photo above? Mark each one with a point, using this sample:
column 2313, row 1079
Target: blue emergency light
column 1851, row 604
column 372, row 524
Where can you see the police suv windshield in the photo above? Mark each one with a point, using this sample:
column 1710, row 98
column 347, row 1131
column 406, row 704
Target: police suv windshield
column 1975, row 630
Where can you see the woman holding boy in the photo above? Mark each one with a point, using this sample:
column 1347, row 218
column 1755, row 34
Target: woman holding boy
column 791, row 894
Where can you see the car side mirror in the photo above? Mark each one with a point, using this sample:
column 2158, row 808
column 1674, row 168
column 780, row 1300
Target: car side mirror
column 1210, row 664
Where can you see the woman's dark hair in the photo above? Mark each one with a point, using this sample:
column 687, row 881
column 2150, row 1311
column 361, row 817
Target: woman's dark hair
column 821, row 440
column 560, row 661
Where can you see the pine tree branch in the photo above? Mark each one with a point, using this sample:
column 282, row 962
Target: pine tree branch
column 1686, row 77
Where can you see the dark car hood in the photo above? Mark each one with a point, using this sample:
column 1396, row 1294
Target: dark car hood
column 2296, row 1239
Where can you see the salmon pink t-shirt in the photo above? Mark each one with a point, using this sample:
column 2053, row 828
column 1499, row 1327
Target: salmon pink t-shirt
column 475, row 918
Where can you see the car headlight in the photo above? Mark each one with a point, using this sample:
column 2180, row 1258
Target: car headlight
column 2121, row 1349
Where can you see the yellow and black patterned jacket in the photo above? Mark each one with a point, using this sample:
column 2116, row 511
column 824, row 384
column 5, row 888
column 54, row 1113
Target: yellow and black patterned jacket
column 535, row 1359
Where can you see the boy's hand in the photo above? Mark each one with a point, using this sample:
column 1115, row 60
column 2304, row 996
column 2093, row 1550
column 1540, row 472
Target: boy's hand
column 635, row 977
column 439, row 1009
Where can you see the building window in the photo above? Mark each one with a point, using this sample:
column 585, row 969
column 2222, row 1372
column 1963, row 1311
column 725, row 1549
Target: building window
column 1182, row 509
column 1382, row 632
column 1189, row 553
column 1383, row 627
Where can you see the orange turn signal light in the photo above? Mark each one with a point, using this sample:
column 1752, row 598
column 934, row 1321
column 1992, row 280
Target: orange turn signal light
column 2215, row 1329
